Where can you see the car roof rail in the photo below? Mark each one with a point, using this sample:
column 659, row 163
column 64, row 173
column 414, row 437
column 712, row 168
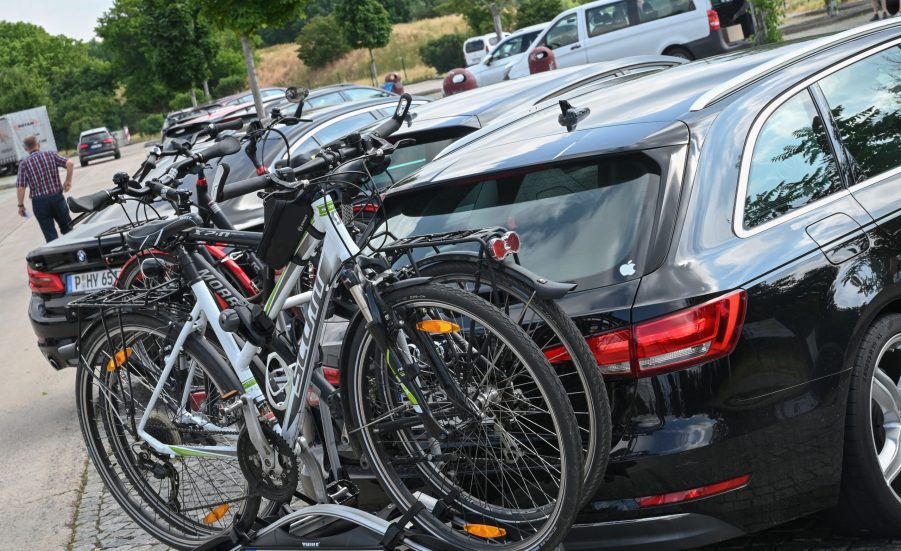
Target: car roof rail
column 738, row 82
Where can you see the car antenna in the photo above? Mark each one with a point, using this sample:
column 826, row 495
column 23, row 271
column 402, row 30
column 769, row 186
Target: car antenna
column 571, row 115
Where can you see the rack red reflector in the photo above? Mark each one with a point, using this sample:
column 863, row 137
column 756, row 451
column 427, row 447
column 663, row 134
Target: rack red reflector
column 694, row 493
column 41, row 282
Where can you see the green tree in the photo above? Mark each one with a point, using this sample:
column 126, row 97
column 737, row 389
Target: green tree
column 478, row 13
column 532, row 12
column 398, row 10
column 444, row 53
column 246, row 18
column 321, row 42
column 22, row 89
column 365, row 24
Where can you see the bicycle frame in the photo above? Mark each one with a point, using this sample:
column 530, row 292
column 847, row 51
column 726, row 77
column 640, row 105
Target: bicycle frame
column 337, row 246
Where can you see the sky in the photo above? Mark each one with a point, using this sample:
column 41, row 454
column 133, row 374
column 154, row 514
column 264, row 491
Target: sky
column 74, row 18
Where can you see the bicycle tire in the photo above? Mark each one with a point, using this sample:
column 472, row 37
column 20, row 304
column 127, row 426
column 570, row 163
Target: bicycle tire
column 580, row 375
column 112, row 449
column 368, row 381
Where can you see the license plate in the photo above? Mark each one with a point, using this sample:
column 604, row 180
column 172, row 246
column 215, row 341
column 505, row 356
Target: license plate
column 96, row 145
column 91, row 281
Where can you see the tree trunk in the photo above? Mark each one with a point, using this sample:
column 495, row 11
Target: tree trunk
column 496, row 16
column 252, row 76
column 372, row 72
column 206, row 89
column 193, row 96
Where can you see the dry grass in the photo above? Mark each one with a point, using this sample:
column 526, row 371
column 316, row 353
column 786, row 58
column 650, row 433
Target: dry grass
column 279, row 65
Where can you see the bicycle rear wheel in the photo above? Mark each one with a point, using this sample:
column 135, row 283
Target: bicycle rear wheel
column 182, row 500
column 562, row 343
column 510, row 467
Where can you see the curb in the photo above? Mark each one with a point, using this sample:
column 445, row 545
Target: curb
column 807, row 25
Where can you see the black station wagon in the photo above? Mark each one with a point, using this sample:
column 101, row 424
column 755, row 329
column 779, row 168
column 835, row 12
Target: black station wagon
column 734, row 227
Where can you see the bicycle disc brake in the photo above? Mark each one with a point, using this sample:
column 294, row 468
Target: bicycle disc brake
column 263, row 480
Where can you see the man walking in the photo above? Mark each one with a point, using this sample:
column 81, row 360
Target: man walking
column 39, row 172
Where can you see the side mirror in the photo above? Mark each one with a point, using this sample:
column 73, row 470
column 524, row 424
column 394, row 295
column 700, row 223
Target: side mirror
column 296, row 95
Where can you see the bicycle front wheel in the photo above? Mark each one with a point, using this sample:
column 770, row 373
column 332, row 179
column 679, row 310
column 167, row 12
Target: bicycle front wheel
column 509, row 466
column 181, row 500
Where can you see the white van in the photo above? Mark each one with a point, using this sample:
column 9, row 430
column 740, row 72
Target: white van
column 611, row 29
column 495, row 66
column 477, row 47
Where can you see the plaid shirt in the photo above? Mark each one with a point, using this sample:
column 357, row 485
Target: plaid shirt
column 40, row 173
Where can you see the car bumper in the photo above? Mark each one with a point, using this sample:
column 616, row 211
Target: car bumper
column 696, row 428
column 715, row 43
column 97, row 153
column 52, row 329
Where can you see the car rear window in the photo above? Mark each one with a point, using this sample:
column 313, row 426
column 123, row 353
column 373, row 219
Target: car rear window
column 586, row 221
column 407, row 160
column 474, row 46
column 95, row 136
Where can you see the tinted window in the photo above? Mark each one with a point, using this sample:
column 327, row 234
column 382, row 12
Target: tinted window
column 95, row 136
column 792, row 164
column 583, row 221
column 607, row 18
column 474, row 45
column 563, row 33
column 514, row 45
column 865, row 99
column 364, row 93
column 326, row 99
column 406, row 160
column 326, row 135
column 658, row 9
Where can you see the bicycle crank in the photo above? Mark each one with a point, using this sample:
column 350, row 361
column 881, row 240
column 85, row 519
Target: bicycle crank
column 274, row 482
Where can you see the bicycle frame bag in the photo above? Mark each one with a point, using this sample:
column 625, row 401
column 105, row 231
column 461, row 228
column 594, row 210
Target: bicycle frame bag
column 285, row 221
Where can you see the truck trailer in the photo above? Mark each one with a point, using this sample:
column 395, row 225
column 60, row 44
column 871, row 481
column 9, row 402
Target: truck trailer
column 14, row 128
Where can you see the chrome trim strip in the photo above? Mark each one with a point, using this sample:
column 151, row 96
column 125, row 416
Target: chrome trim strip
column 719, row 92
column 745, row 169
column 631, row 521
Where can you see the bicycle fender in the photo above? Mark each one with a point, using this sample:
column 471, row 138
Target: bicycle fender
column 407, row 283
column 544, row 288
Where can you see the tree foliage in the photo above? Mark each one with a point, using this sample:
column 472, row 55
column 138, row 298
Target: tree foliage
column 533, row 12
column 247, row 17
column 771, row 13
column 321, row 41
column 478, row 15
column 444, row 53
column 364, row 23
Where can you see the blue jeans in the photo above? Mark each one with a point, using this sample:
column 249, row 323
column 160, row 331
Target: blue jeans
column 50, row 209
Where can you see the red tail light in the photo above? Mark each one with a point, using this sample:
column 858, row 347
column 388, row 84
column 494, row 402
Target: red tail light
column 500, row 247
column 688, row 337
column 694, row 493
column 41, row 282
column 713, row 19
column 332, row 375
column 83, row 146
column 107, row 140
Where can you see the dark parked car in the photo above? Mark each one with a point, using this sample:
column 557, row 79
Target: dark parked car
column 96, row 143
column 734, row 227
column 73, row 264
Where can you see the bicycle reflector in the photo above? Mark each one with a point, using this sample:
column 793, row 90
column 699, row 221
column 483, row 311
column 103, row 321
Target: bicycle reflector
column 118, row 360
column 500, row 247
column 437, row 326
column 485, row 530
column 217, row 513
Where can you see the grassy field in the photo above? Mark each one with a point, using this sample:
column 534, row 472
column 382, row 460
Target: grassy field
column 279, row 65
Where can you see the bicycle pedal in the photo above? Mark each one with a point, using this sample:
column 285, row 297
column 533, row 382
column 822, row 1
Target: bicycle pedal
column 343, row 492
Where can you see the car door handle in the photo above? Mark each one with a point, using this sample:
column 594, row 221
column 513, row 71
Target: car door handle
column 576, row 47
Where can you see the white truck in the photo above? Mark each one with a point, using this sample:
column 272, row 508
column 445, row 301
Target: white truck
column 15, row 127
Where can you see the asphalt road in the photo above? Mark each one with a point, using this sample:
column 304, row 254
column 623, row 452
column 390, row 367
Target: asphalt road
column 42, row 459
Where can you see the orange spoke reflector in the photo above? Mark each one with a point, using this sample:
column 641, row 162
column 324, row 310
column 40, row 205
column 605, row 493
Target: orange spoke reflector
column 120, row 358
column 485, row 531
column 216, row 514
column 437, row 326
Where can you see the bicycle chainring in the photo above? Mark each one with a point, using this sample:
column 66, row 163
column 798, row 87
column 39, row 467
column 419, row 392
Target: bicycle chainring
column 278, row 488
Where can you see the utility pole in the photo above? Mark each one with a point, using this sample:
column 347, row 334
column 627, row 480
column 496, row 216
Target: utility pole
column 496, row 16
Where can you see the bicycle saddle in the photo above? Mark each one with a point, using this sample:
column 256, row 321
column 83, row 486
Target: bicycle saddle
column 160, row 233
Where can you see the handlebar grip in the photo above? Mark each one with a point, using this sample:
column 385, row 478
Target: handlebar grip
column 90, row 203
column 391, row 125
column 228, row 146
column 236, row 124
column 309, row 167
column 165, row 192
column 243, row 187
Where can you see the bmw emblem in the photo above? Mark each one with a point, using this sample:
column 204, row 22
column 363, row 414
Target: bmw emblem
column 81, row 256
